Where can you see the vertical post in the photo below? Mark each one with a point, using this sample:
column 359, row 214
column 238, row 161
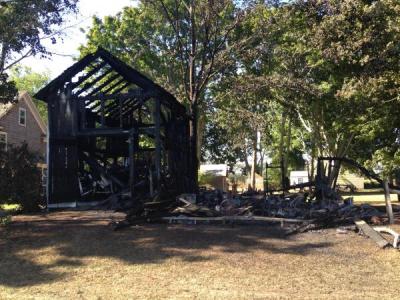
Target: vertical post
column 102, row 112
column 82, row 113
column 120, row 112
column 254, row 163
column 329, row 172
column 318, row 181
column 49, row 151
column 389, row 209
column 319, row 175
column 337, row 173
column 266, row 178
column 151, row 182
column 157, row 135
column 132, row 163
column 282, row 167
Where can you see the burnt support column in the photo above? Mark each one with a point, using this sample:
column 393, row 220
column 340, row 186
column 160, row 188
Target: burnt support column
column 132, row 162
column 63, row 150
column 157, row 113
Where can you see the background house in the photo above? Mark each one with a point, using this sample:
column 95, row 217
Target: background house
column 351, row 181
column 298, row 177
column 347, row 180
column 214, row 176
column 20, row 122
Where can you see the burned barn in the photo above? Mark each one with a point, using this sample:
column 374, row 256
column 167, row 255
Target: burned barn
column 112, row 131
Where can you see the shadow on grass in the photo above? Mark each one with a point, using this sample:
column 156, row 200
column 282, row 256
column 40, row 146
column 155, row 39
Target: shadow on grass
column 25, row 246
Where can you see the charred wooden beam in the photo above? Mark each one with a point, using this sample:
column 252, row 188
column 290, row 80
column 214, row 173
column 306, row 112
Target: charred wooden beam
column 132, row 163
column 114, row 85
column 100, row 170
column 88, row 75
column 46, row 92
column 130, row 94
column 157, row 112
column 103, row 132
column 92, row 83
column 104, row 84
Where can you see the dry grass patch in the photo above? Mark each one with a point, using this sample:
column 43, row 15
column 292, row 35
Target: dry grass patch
column 74, row 255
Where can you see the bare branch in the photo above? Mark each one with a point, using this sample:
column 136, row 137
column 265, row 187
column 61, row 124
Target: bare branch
column 27, row 54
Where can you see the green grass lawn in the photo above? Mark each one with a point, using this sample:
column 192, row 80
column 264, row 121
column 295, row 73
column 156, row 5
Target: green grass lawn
column 10, row 208
column 376, row 198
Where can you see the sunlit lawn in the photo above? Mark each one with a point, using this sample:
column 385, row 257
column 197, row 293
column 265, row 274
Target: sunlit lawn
column 375, row 198
column 11, row 208
column 75, row 255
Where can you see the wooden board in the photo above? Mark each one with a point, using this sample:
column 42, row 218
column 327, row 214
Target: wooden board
column 371, row 233
column 236, row 218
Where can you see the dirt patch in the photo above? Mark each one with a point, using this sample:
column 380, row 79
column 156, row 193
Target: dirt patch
column 74, row 255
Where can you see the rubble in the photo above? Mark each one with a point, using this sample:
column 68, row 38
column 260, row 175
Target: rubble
column 316, row 206
column 303, row 210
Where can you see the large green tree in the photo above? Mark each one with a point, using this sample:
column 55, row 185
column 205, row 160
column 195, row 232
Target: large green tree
column 24, row 24
column 339, row 67
column 183, row 45
column 27, row 80
column 333, row 66
column 356, row 65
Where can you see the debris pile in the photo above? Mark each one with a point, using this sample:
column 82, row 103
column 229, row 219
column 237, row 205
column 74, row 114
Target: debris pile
column 213, row 205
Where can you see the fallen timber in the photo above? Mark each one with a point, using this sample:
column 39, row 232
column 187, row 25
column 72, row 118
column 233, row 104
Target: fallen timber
column 316, row 205
column 236, row 219
column 372, row 234
column 299, row 212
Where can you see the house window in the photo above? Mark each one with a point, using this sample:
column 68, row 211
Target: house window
column 300, row 180
column 3, row 141
column 22, row 116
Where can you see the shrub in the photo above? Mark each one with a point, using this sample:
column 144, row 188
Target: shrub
column 20, row 178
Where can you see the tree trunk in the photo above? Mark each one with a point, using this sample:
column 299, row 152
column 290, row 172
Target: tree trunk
column 193, row 99
column 261, row 157
column 337, row 164
column 3, row 55
column 201, row 124
column 194, row 162
column 288, row 147
column 254, row 164
column 389, row 209
column 282, row 148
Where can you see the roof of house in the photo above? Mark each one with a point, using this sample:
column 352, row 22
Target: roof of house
column 24, row 96
column 298, row 174
column 218, row 169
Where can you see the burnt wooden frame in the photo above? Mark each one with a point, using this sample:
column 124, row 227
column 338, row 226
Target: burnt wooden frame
column 102, row 97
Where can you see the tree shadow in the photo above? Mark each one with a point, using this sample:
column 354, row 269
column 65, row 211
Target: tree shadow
column 71, row 240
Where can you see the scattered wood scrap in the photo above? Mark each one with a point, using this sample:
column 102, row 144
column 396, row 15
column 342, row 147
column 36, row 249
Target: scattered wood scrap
column 396, row 236
column 372, row 234
column 233, row 219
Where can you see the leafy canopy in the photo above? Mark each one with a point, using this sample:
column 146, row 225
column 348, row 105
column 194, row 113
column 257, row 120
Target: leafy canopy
column 23, row 27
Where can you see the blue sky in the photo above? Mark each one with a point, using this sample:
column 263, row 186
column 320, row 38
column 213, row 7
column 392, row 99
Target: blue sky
column 73, row 37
